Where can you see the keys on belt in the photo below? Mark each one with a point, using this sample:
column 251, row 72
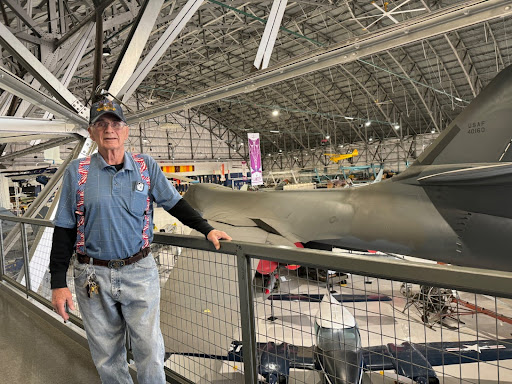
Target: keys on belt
column 91, row 285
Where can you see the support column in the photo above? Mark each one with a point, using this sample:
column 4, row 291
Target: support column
column 5, row 201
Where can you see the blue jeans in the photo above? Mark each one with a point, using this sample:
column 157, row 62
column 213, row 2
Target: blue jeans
column 128, row 301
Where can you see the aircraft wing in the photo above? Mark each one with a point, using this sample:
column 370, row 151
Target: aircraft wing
column 338, row 157
column 408, row 361
column 416, row 361
column 180, row 177
column 293, row 215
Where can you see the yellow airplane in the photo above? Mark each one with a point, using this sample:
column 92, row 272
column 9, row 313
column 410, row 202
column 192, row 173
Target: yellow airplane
column 337, row 157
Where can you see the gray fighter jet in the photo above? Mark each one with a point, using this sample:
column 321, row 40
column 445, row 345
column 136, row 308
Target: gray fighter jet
column 451, row 205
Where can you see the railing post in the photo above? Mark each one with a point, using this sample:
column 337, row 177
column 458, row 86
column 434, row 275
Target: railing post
column 247, row 316
column 2, row 256
column 25, row 256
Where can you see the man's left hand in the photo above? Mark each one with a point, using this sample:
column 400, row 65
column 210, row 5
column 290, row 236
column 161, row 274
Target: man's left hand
column 215, row 235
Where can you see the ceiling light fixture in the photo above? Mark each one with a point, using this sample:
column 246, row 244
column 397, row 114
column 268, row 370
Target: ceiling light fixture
column 368, row 123
column 396, row 126
column 275, row 112
column 272, row 131
column 327, row 137
column 433, row 130
column 107, row 51
column 370, row 139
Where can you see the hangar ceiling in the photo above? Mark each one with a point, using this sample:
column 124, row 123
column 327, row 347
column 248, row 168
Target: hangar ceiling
column 343, row 70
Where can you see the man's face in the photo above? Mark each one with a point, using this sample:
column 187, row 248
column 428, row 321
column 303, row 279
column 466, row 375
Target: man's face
column 109, row 133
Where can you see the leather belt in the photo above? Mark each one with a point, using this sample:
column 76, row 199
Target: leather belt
column 116, row 263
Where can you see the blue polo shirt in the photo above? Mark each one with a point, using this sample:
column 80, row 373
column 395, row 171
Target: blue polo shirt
column 114, row 207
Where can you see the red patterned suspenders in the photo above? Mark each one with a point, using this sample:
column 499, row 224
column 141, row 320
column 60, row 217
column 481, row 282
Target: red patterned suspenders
column 83, row 171
column 144, row 173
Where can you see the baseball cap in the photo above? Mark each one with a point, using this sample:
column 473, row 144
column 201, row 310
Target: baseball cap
column 103, row 107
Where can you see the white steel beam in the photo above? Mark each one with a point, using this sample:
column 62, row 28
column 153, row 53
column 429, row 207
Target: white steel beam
column 270, row 34
column 13, row 84
column 73, row 51
column 416, row 29
column 18, row 138
column 134, row 45
column 40, row 72
column 24, row 16
column 62, row 17
column 78, row 53
column 22, row 125
column 37, row 148
column 76, row 57
column 159, row 48
column 5, row 103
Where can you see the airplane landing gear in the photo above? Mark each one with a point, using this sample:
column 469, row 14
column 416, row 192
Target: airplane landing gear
column 433, row 303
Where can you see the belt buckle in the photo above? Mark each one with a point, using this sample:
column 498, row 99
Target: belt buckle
column 116, row 264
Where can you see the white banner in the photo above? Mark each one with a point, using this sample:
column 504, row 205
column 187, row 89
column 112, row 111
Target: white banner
column 255, row 156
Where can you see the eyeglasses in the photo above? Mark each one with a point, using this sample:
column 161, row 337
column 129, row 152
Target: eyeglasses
column 117, row 125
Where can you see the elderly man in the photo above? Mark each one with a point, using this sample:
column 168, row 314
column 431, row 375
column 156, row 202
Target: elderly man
column 106, row 209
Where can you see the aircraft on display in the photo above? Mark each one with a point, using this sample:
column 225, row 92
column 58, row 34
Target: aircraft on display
column 451, row 205
column 335, row 157
column 377, row 179
column 183, row 179
column 338, row 355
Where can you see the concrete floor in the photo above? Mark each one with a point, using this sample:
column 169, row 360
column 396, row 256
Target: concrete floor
column 35, row 352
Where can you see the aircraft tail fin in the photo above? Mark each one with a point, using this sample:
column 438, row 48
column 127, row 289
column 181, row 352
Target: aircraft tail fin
column 378, row 179
column 479, row 134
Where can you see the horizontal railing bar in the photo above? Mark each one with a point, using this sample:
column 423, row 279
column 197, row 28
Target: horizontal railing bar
column 475, row 280
column 45, row 223
column 496, row 283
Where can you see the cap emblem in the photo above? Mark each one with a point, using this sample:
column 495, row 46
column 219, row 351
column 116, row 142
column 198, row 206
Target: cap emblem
column 105, row 105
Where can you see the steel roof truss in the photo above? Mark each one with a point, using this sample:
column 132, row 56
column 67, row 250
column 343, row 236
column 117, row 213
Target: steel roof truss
column 24, row 16
column 417, row 29
column 18, row 87
column 134, row 45
column 159, row 48
column 40, row 72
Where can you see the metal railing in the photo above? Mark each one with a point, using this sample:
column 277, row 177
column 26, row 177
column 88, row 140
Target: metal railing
column 212, row 299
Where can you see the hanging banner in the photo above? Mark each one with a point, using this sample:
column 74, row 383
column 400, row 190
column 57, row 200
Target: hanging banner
column 255, row 156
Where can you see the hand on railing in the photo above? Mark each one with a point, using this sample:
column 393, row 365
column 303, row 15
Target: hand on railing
column 61, row 299
column 215, row 235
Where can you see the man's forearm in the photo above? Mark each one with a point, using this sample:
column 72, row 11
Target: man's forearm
column 62, row 250
column 190, row 217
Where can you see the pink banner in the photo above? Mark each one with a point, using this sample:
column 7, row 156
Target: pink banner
column 255, row 156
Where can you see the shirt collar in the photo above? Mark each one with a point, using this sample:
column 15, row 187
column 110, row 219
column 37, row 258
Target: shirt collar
column 128, row 162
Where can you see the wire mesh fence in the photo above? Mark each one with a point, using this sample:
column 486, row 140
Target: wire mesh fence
column 199, row 312
column 340, row 328
column 310, row 324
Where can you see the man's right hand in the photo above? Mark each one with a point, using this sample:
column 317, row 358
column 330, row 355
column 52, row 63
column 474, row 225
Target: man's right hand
column 61, row 296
